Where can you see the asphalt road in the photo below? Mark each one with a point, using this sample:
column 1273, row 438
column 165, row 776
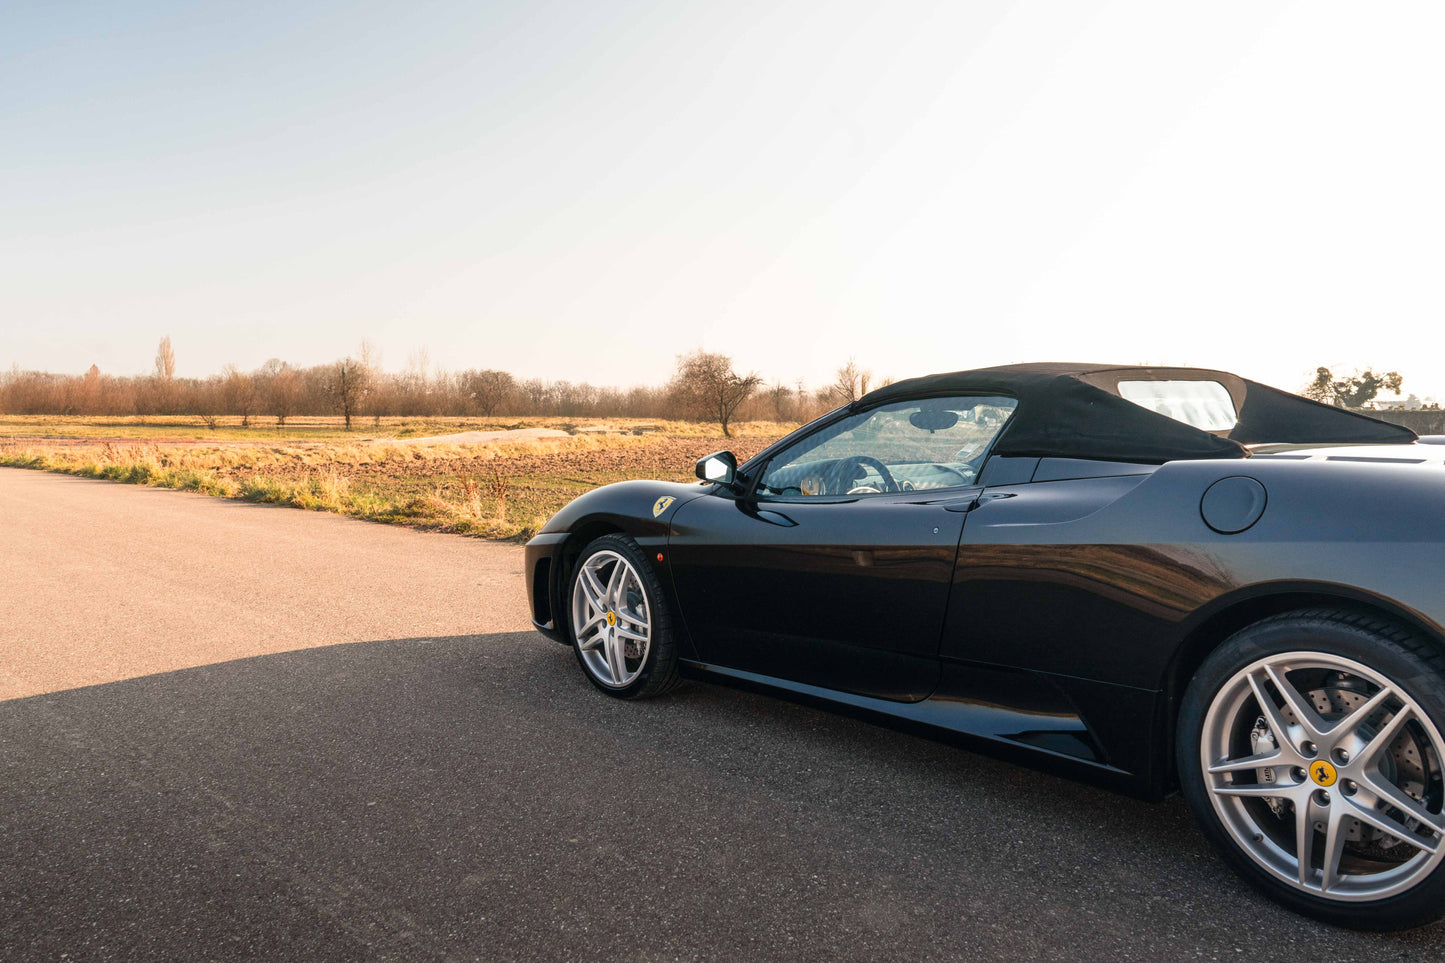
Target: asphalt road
column 242, row 732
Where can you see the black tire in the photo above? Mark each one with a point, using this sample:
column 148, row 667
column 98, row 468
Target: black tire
column 1410, row 662
column 659, row 671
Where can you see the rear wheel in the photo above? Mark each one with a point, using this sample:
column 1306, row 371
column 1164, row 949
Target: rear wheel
column 621, row 629
column 1310, row 750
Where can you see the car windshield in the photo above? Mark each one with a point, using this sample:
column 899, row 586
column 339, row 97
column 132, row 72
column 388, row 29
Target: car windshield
column 905, row 446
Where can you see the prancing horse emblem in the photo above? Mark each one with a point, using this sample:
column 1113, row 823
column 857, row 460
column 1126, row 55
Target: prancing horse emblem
column 660, row 506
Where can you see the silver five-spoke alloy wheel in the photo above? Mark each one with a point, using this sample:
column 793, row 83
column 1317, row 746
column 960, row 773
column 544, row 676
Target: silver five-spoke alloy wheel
column 1327, row 774
column 612, row 619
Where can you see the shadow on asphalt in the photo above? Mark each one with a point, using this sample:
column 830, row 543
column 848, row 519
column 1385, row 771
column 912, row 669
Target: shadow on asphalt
column 475, row 798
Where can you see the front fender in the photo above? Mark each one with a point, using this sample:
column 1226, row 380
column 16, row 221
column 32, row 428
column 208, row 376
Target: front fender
column 640, row 509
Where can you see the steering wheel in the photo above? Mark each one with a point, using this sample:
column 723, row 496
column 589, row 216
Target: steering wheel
column 847, row 470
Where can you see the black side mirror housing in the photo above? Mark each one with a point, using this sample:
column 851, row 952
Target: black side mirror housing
column 721, row 467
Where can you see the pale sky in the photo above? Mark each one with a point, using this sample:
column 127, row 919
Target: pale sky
column 584, row 190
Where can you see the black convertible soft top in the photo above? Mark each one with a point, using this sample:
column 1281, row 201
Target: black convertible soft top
column 1076, row 411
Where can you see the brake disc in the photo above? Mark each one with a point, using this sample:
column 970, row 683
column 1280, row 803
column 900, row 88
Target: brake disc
column 1408, row 764
column 1405, row 765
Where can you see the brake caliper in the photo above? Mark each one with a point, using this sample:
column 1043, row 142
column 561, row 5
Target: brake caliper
column 1261, row 741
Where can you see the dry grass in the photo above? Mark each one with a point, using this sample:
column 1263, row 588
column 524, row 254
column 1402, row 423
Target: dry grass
column 504, row 491
column 328, row 428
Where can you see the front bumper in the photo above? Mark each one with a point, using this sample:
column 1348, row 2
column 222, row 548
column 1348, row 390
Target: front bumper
column 543, row 566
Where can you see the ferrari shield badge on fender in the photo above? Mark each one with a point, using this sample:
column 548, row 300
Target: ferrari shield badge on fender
column 660, row 506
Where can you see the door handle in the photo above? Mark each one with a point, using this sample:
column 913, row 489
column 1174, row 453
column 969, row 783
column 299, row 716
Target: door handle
column 775, row 518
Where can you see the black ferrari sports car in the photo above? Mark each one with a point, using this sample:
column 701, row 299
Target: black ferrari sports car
column 1152, row 578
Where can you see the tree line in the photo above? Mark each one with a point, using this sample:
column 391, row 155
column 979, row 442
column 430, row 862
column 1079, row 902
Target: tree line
column 704, row 386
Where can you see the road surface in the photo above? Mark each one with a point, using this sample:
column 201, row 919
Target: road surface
column 244, row 732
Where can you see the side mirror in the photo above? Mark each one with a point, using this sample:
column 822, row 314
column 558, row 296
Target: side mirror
column 720, row 467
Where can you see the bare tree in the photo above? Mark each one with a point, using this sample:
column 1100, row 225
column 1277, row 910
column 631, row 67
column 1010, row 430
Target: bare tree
column 347, row 384
column 370, row 356
column 165, row 360
column 706, row 385
column 283, row 389
column 488, row 389
column 780, row 393
column 162, row 395
column 207, row 400
column 850, row 383
column 381, row 399
column 91, row 391
column 535, row 394
column 413, row 385
column 240, row 393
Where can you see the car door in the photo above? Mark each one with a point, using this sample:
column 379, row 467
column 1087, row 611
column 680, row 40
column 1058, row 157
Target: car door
column 1060, row 575
column 833, row 567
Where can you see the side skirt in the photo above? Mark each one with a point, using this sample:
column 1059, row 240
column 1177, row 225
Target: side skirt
column 969, row 724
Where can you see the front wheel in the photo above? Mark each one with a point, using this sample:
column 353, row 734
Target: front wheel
column 1310, row 750
column 621, row 629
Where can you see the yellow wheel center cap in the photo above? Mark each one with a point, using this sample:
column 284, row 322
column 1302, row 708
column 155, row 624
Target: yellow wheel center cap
column 612, row 620
column 1323, row 773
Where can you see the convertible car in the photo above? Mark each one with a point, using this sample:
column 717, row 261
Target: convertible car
column 1157, row 579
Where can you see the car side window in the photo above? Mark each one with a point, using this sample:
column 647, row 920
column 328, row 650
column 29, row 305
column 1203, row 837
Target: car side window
column 904, row 446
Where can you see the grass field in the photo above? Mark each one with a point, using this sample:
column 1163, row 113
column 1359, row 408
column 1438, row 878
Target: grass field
column 308, row 428
column 505, row 490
